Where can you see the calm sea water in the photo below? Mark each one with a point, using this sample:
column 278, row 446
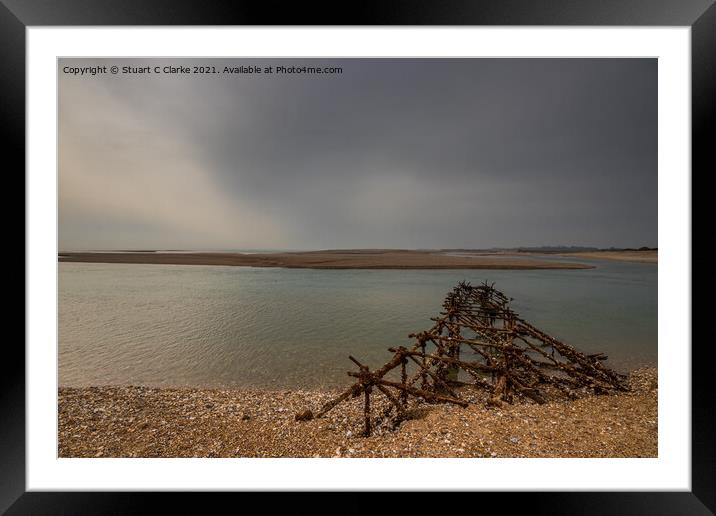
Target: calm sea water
column 285, row 328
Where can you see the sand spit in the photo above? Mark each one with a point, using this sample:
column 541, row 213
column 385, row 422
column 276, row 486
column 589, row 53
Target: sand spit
column 162, row 422
column 358, row 259
column 622, row 256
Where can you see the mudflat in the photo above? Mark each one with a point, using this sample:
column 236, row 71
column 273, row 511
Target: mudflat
column 341, row 259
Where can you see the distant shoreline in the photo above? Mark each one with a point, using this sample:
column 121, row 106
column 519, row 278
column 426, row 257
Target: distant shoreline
column 622, row 256
column 343, row 259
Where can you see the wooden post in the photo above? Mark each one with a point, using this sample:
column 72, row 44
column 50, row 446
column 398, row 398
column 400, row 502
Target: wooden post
column 509, row 338
column 453, row 351
column 404, row 378
column 366, row 410
column 424, row 377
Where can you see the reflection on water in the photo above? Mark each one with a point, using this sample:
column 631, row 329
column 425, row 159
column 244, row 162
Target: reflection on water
column 284, row 328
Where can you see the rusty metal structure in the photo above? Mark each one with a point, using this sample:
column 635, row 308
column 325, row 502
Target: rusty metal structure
column 480, row 338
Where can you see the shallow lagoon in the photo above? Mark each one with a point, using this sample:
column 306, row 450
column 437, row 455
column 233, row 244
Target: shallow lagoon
column 286, row 328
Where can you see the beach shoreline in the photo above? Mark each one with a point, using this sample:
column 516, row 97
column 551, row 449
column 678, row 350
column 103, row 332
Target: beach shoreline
column 621, row 256
column 136, row 421
column 344, row 259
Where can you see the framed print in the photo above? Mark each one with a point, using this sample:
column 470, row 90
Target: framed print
column 292, row 251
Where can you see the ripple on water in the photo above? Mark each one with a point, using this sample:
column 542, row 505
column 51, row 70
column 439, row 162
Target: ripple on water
column 287, row 328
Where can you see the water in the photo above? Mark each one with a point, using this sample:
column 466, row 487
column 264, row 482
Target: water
column 208, row 326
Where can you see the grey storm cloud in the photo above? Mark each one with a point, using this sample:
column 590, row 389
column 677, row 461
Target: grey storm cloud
column 413, row 153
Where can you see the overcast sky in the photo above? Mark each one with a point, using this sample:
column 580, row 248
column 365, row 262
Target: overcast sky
column 397, row 153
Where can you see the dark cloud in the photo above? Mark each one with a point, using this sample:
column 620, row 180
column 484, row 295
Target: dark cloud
column 390, row 153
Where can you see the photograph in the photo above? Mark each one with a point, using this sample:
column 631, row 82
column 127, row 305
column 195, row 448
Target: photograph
column 357, row 257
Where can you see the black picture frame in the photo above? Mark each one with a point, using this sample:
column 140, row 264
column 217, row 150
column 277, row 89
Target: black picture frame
column 17, row 15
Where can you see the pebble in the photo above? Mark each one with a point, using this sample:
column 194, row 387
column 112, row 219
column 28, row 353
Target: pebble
column 168, row 422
